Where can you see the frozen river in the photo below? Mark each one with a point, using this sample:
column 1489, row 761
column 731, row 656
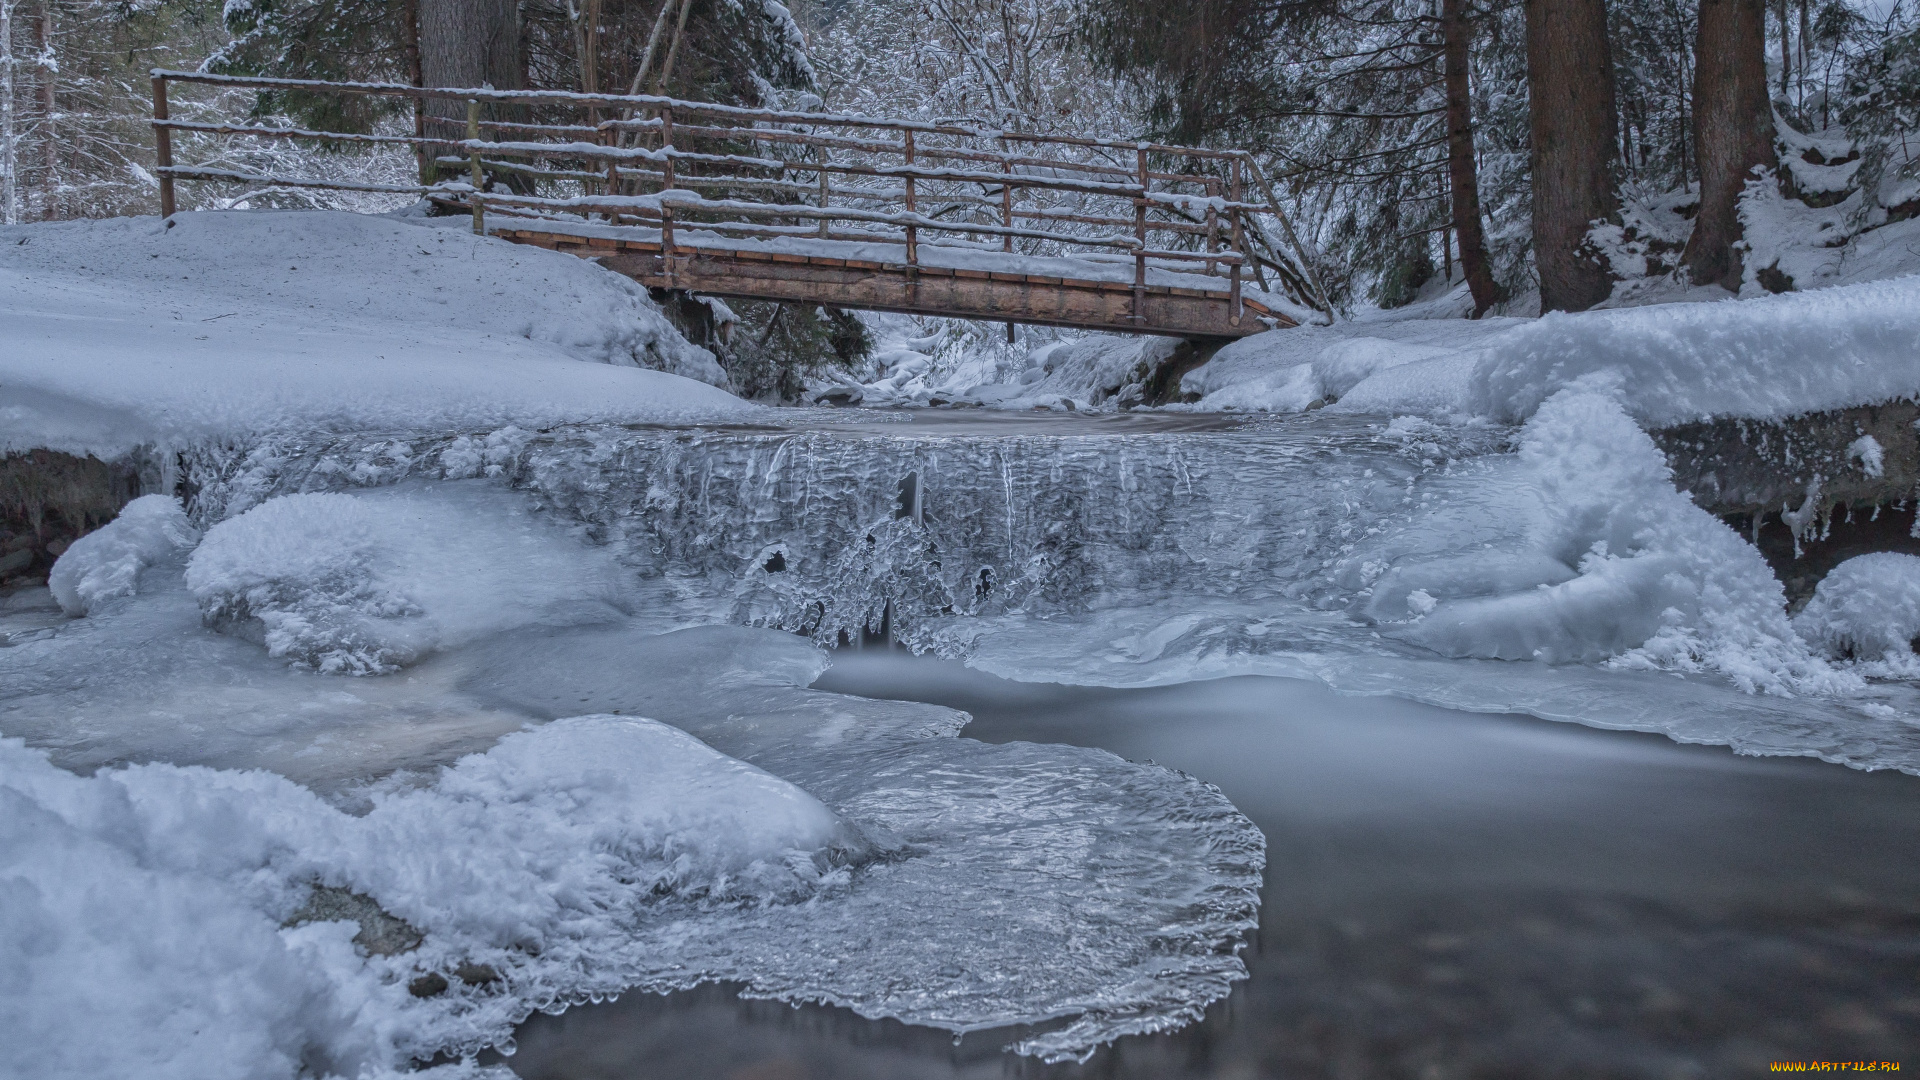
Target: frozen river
column 1447, row 894
column 1256, row 732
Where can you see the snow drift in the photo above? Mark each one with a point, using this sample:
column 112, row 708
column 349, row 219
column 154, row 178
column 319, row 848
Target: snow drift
column 220, row 326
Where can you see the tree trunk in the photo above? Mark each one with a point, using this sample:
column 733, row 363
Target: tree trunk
column 1786, row 47
column 469, row 43
column 9, row 136
column 49, row 145
column 1732, row 130
column 1570, row 76
column 1462, row 174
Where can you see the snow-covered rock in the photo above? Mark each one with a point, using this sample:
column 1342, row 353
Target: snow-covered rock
column 1868, row 609
column 523, row 859
column 366, row 583
column 105, row 564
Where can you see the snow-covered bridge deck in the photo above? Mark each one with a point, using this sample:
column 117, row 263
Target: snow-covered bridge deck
column 846, row 211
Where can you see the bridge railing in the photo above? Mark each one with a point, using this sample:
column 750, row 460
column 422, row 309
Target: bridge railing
column 577, row 160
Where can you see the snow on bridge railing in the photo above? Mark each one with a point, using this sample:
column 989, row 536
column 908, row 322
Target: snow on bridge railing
column 731, row 170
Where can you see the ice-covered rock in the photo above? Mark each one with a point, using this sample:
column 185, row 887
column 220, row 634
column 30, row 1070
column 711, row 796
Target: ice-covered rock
column 105, row 564
column 362, row 584
column 526, row 859
column 1867, row 609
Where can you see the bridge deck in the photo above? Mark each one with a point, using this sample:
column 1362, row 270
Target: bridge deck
column 952, row 281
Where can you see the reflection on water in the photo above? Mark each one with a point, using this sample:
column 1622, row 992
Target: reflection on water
column 1448, row 895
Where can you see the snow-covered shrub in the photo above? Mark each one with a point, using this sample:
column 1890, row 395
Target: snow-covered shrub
column 1867, row 609
column 362, row 585
column 539, row 859
column 105, row 564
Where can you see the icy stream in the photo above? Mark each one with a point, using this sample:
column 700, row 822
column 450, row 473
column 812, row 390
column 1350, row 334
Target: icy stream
column 510, row 600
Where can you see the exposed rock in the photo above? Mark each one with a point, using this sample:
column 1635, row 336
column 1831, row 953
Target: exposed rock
column 432, row 984
column 380, row 934
column 1810, row 491
column 50, row 499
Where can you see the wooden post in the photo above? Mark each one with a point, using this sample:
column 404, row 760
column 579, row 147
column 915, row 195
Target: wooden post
column 610, row 137
column 666, row 185
column 1006, row 207
column 1006, row 210
column 826, row 158
column 1233, row 192
column 163, row 145
column 1140, row 253
column 913, row 234
column 666, row 147
column 1213, row 226
column 473, row 168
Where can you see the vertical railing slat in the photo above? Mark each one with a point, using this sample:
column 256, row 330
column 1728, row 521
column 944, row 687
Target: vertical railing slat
column 163, row 144
column 473, row 165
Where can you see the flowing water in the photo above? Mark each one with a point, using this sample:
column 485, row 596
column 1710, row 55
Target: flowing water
column 1447, row 894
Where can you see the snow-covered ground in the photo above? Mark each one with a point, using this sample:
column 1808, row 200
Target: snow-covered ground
column 481, row 614
column 1850, row 336
column 127, row 332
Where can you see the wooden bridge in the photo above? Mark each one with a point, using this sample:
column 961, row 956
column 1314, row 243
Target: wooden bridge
column 940, row 219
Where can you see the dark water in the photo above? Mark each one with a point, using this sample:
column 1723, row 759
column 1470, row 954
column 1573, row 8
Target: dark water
column 1448, row 895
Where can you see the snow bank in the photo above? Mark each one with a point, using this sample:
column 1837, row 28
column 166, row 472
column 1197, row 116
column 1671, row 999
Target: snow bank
column 1868, row 609
column 105, row 564
column 521, row 859
column 227, row 325
column 366, row 583
column 1775, row 356
column 1400, row 365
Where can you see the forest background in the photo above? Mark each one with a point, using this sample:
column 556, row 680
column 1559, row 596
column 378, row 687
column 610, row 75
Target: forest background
column 1549, row 154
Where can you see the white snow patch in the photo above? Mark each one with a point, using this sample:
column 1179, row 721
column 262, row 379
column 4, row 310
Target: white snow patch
column 366, row 583
column 1770, row 357
column 523, row 859
column 105, row 564
column 227, row 325
column 1867, row 451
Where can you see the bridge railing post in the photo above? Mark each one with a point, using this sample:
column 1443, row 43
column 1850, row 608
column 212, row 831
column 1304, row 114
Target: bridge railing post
column 666, row 185
column 163, row 145
column 1006, row 209
column 913, row 234
column 1140, row 237
column 1213, row 225
column 826, row 158
column 473, row 166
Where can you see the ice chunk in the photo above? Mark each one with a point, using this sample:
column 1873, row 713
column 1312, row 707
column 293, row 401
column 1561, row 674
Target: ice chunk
column 1867, row 608
column 105, row 564
column 361, row 584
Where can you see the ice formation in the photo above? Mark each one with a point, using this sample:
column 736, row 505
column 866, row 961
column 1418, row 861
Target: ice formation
column 1868, row 609
column 360, row 585
column 105, row 564
column 514, row 866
